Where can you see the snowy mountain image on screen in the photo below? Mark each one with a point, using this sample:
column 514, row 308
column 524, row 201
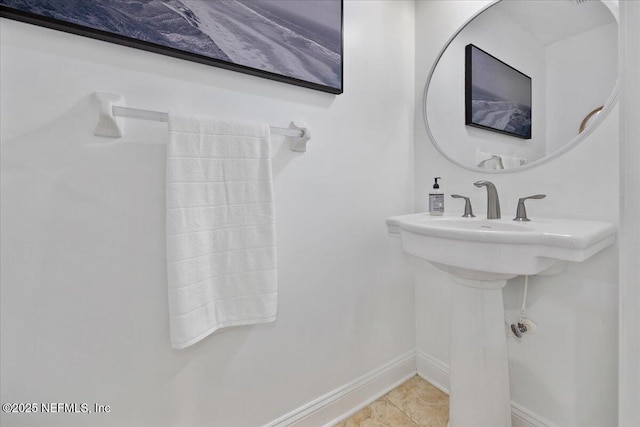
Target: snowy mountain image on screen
column 491, row 111
column 268, row 35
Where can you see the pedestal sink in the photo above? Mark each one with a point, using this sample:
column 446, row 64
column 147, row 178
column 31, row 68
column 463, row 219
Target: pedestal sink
column 480, row 256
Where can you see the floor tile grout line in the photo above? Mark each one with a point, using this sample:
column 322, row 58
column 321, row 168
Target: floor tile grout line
column 425, row 402
column 386, row 401
column 399, row 409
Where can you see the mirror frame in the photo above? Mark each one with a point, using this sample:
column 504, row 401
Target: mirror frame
column 606, row 109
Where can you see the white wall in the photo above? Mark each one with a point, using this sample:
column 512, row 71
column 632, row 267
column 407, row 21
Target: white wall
column 446, row 106
column 567, row 372
column 84, row 306
column 629, row 296
column 581, row 72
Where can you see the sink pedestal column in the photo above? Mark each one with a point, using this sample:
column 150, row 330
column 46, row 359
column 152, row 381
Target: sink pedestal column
column 479, row 369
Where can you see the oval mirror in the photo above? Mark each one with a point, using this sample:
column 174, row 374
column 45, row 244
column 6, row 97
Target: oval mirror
column 511, row 88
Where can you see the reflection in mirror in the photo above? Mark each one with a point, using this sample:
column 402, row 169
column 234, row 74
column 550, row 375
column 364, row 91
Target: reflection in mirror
column 568, row 49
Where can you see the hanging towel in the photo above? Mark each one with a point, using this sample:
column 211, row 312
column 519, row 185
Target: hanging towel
column 221, row 242
column 512, row 161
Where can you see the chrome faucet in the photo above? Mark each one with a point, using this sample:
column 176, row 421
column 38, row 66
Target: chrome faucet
column 521, row 212
column 493, row 203
column 468, row 211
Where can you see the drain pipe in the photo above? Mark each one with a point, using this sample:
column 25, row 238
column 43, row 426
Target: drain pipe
column 524, row 299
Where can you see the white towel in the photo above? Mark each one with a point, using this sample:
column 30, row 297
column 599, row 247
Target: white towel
column 512, row 162
column 221, row 242
column 481, row 156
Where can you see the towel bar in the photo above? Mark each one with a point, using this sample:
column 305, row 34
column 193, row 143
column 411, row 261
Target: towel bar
column 112, row 112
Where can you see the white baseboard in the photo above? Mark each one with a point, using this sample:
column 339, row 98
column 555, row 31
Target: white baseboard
column 522, row 417
column 437, row 373
column 344, row 401
column 433, row 370
column 340, row 403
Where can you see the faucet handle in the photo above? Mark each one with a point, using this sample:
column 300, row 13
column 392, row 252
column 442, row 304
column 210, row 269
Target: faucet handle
column 521, row 212
column 468, row 212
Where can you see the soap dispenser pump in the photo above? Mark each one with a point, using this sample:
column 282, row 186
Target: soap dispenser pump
column 436, row 199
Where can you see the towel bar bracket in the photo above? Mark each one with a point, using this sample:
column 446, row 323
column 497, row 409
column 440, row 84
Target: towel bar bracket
column 112, row 113
column 300, row 144
column 108, row 125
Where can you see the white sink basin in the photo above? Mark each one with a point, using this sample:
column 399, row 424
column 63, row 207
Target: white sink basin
column 480, row 255
column 482, row 249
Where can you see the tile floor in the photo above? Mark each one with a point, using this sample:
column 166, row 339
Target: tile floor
column 413, row 403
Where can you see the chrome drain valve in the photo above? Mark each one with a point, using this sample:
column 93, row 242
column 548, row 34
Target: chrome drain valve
column 526, row 326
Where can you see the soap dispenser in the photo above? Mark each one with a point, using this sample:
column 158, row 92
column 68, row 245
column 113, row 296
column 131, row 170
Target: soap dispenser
column 436, row 199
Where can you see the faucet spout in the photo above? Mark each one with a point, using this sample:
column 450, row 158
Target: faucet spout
column 493, row 203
